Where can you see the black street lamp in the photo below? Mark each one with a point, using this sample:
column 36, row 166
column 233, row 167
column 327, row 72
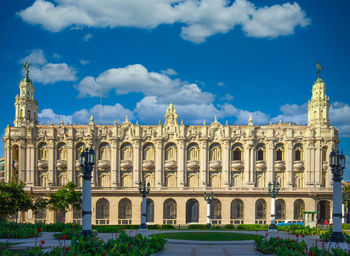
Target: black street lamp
column 87, row 161
column 337, row 164
column 144, row 192
column 273, row 190
column 209, row 198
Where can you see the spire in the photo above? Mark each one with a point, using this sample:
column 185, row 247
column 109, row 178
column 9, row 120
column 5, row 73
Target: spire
column 92, row 121
column 26, row 106
column 250, row 121
column 318, row 107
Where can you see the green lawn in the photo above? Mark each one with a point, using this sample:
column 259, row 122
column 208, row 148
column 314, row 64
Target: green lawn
column 210, row 236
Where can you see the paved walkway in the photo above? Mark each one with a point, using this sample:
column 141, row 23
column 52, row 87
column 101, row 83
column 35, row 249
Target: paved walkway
column 177, row 247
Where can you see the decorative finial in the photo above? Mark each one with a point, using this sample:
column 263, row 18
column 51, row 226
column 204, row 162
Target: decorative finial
column 92, row 121
column 137, row 122
column 215, row 119
column 126, row 119
column 51, row 123
column 70, row 123
column 204, row 122
column 159, row 122
column 280, row 122
column 250, row 120
column 115, row 122
column 226, row 122
column 61, row 123
column 319, row 68
column 182, row 122
column 26, row 67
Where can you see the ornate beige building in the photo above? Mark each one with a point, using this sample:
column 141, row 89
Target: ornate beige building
column 180, row 162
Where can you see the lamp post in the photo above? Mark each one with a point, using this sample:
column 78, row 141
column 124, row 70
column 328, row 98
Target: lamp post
column 144, row 192
column 87, row 161
column 209, row 198
column 337, row 164
column 273, row 190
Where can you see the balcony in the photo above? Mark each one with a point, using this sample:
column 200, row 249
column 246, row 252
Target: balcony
column 170, row 165
column 279, row 166
column 237, row 165
column 103, row 165
column 42, row 165
column 260, row 165
column 192, row 165
column 61, row 165
column 215, row 165
column 125, row 165
column 298, row 165
column 148, row 165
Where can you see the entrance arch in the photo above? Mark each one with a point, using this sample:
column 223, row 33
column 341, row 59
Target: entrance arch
column 324, row 209
column 192, row 211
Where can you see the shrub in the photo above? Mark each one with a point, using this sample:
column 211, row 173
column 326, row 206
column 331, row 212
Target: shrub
column 252, row 227
column 198, row 226
column 16, row 230
column 229, row 226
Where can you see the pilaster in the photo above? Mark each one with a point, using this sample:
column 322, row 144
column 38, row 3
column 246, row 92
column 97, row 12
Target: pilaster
column 270, row 161
column 246, row 176
column 289, row 164
column 226, row 163
column 318, row 164
column 70, row 161
column 22, row 159
column 181, row 163
column 159, row 168
column 114, row 162
column 136, row 162
column 203, row 163
column 51, row 162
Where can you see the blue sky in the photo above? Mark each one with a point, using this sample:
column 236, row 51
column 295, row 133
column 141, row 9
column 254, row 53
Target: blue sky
column 224, row 58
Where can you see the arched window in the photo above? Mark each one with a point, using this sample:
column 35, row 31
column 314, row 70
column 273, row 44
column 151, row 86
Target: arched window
column 60, row 216
column 279, row 152
column 77, row 215
column 170, row 152
column 193, row 152
column 237, row 152
column 260, row 152
column 215, row 152
column 104, row 152
column 298, row 149
column 40, row 214
column 148, row 152
column 324, row 154
column 169, row 211
column 192, row 211
column 260, row 210
column 215, row 210
column 126, row 151
column 62, row 152
column 102, row 211
column 237, row 209
column 28, row 114
column 149, row 210
column 299, row 208
column 42, row 151
column 79, row 149
column 125, row 211
column 280, row 209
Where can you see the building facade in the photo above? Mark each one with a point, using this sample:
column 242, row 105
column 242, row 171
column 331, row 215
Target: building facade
column 180, row 162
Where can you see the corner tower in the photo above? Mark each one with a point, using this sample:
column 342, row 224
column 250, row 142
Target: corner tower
column 318, row 108
column 26, row 106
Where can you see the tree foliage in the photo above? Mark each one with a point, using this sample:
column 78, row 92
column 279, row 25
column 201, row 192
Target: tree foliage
column 65, row 198
column 13, row 199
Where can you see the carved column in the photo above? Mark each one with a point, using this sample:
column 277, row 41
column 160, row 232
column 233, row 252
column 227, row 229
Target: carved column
column 8, row 161
column 114, row 162
column 30, row 163
column 246, row 176
column 252, row 173
column 318, row 164
column 22, row 162
column 269, row 161
column 70, row 161
column 51, row 161
column 308, row 162
column 159, row 164
column 203, row 163
column 289, row 164
column 226, row 167
column 137, row 162
column 181, row 163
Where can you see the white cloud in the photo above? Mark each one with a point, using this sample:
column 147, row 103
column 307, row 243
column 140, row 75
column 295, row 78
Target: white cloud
column 340, row 118
column 35, row 57
column 48, row 73
column 199, row 19
column 87, row 37
column 136, row 78
column 221, row 84
column 292, row 113
column 84, row 62
column 228, row 97
column 169, row 72
column 46, row 116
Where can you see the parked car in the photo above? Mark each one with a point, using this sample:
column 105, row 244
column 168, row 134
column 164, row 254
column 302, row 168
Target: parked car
column 290, row 222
